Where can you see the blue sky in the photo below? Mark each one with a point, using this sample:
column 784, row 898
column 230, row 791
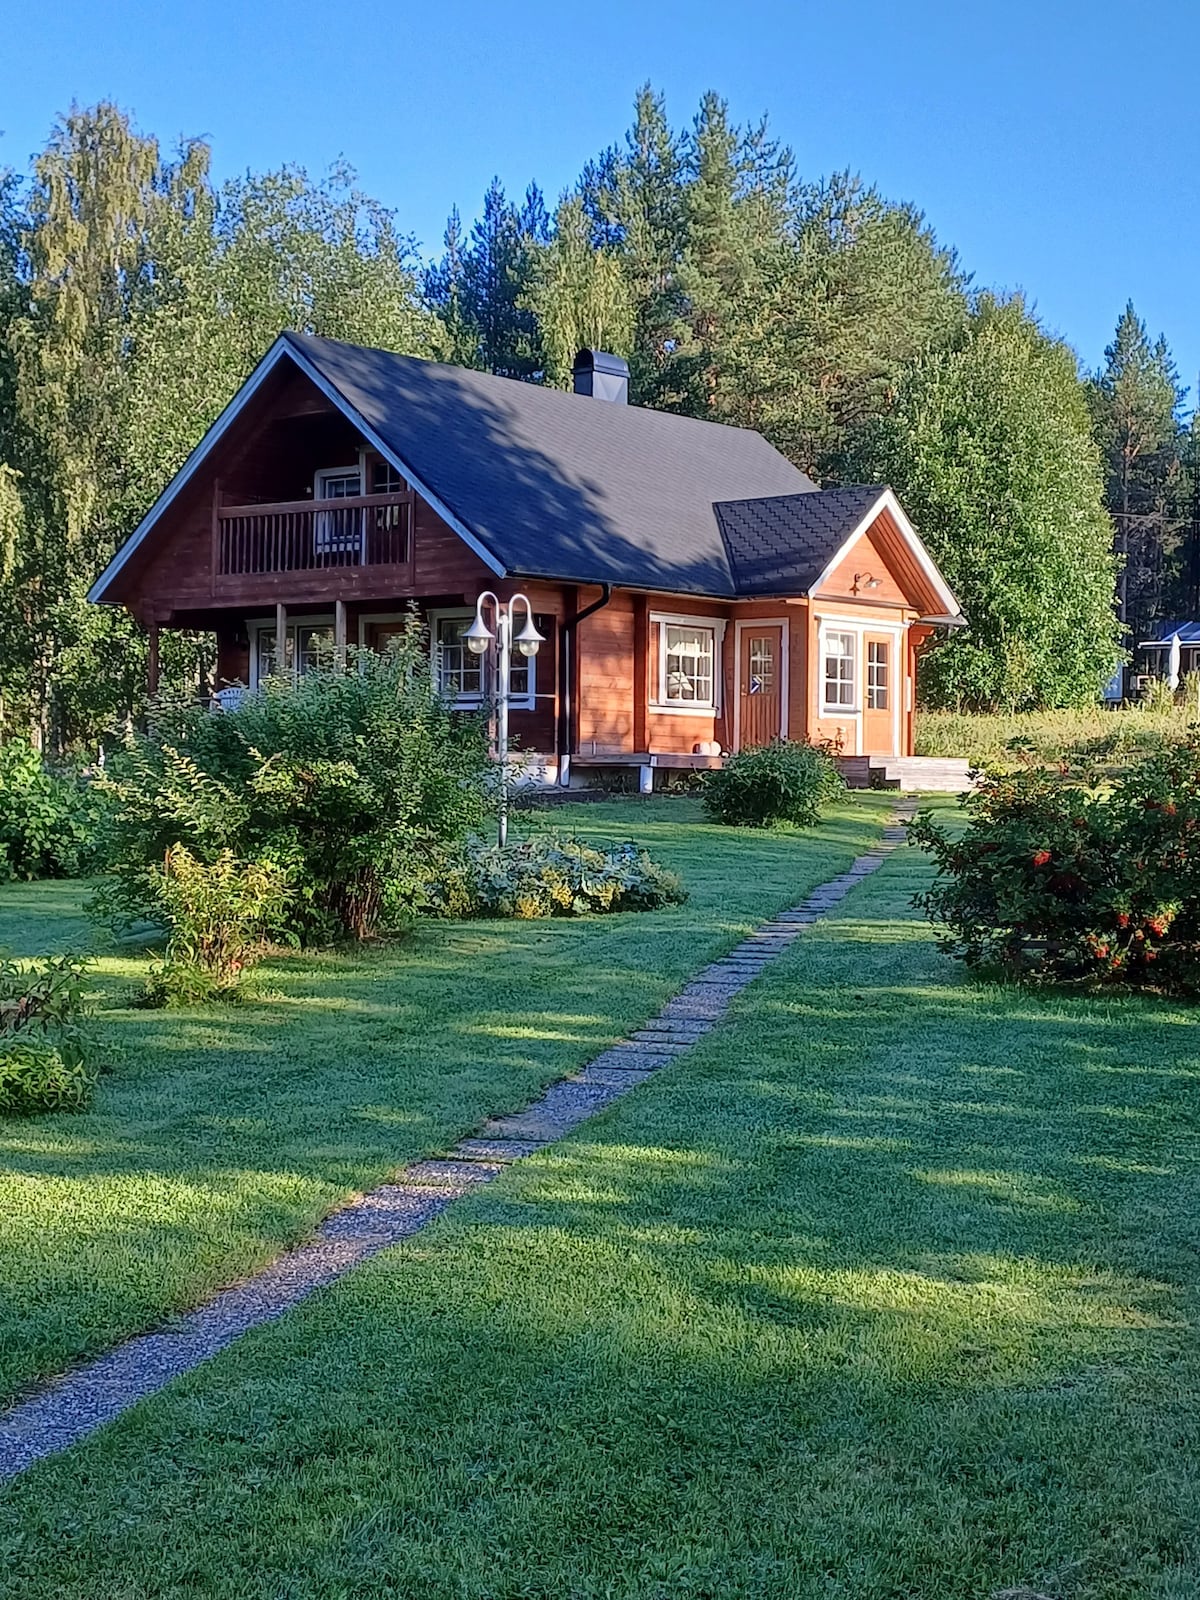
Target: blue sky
column 1055, row 145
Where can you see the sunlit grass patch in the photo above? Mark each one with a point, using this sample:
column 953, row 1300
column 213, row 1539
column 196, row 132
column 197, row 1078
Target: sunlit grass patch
column 888, row 1289
column 219, row 1135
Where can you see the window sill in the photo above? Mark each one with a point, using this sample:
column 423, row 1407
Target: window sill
column 841, row 711
column 683, row 708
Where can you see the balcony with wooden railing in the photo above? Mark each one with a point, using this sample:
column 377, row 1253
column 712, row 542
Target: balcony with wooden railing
column 311, row 536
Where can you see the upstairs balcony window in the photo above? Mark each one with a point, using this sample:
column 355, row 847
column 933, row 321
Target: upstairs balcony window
column 338, row 532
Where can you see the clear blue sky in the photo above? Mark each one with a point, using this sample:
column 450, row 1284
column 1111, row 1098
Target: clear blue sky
column 1055, row 145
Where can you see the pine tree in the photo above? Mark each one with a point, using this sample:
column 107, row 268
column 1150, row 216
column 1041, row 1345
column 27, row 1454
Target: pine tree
column 735, row 214
column 634, row 199
column 1136, row 399
column 483, row 289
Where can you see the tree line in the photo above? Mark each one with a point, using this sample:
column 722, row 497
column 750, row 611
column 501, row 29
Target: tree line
column 136, row 294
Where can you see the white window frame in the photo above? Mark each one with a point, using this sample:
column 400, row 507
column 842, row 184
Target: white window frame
column 324, row 474
column 467, row 702
column 886, row 685
column 843, row 708
column 291, row 634
column 688, row 708
column 328, row 539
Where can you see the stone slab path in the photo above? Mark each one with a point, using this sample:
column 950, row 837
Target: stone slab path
column 69, row 1408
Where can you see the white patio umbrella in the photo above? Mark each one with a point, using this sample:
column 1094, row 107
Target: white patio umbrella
column 1173, row 662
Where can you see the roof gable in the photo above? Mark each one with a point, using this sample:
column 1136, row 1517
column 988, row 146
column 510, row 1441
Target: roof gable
column 538, row 482
column 791, row 544
column 782, row 544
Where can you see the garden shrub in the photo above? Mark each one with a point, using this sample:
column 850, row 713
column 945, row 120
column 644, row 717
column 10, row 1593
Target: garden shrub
column 1059, row 874
column 46, row 819
column 547, row 876
column 45, row 1041
column 352, row 783
column 784, row 781
column 219, row 918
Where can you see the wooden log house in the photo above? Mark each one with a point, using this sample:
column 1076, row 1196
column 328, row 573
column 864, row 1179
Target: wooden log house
column 697, row 592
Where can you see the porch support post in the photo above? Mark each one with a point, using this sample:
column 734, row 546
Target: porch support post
column 339, row 634
column 281, row 661
column 152, row 659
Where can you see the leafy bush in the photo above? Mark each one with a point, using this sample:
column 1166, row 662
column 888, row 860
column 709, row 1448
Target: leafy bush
column 783, row 781
column 218, row 918
column 46, row 821
column 1056, row 874
column 44, row 1037
column 546, row 876
column 352, row 783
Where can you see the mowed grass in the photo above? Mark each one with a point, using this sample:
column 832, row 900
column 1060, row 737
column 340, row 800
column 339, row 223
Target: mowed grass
column 223, row 1135
column 886, row 1292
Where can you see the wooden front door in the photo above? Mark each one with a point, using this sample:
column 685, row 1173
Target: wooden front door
column 760, row 683
column 881, row 684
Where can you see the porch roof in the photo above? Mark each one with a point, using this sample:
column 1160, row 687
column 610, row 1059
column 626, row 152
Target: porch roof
column 1189, row 635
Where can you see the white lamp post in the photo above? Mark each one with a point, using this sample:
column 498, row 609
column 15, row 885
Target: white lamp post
column 479, row 638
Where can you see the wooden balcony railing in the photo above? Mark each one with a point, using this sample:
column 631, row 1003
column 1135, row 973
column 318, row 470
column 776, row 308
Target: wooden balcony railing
column 370, row 530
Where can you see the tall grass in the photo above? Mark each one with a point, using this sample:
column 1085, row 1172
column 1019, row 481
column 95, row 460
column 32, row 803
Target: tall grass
column 1046, row 735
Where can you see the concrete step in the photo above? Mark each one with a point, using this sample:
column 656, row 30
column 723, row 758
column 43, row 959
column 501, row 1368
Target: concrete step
column 932, row 774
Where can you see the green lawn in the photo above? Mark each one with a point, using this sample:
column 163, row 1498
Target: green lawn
column 223, row 1135
column 887, row 1292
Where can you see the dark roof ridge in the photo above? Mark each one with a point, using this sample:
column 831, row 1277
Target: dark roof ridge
column 304, row 340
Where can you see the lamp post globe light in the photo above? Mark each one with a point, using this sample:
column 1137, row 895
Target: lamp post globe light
column 479, row 639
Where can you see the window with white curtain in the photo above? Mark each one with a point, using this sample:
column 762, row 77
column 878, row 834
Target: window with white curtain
column 687, row 664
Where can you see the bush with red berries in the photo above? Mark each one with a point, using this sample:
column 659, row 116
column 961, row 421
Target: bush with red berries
column 1061, row 874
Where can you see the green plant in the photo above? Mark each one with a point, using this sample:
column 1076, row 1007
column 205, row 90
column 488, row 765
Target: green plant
column 1159, row 698
column 45, row 1040
column 1057, row 873
column 219, row 917
column 547, row 876
column 355, row 782
column 46, row 819
column 35, row 1077
column 784, row 781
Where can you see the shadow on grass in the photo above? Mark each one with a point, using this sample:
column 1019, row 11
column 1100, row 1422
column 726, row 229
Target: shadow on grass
column 887, row 1290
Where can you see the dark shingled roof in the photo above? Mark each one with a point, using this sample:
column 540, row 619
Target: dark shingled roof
column 560, row 485
column 781, row 544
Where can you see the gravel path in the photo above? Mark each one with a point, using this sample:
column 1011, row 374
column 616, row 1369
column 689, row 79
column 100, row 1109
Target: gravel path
column 69, row 1408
